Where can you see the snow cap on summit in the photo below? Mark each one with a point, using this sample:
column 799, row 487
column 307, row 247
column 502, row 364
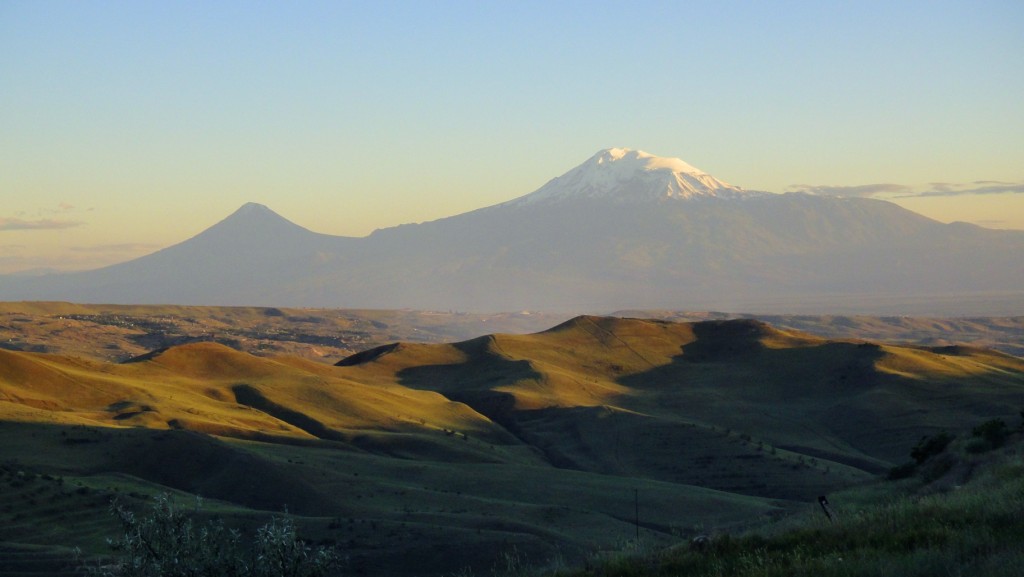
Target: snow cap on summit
column 624, row 175
column 625, row 157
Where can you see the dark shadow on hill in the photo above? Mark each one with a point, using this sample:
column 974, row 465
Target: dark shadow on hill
column 725, row 340
column 24, row 347
column 829, row 400
column 740, row 342
column 474, row 380
column 368, row 355
column 676, row 446
column 689, row 421
column 732, row 355
column 186, row 461
column 252, row 397
column 612, row 441
column 203, row 465
column 820, row 389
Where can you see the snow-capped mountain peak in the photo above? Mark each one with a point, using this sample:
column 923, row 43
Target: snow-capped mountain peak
column 624, row 175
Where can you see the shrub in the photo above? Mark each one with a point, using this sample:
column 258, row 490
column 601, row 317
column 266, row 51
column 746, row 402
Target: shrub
column 936, row 468
column 993, row 433
column 170, row 544
column 902, row 471
column 928, row 447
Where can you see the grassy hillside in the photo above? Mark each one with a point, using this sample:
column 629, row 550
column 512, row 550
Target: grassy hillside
column 958, row 514
column 422, row 458
column 699, row 403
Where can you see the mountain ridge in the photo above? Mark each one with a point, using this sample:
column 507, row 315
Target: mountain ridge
column 620, row 231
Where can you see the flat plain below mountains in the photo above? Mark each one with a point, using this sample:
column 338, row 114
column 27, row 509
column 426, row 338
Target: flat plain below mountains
column 428, row 457
column 117, row 333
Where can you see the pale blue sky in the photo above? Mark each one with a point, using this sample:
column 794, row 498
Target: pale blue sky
column 129, row 126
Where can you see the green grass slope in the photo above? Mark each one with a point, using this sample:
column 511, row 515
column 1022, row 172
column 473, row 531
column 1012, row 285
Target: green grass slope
column 958, row 515
column 389, row 515
column 707, row 403
column 419, row 458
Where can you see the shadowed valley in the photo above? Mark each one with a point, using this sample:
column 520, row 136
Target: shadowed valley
column 424, row 458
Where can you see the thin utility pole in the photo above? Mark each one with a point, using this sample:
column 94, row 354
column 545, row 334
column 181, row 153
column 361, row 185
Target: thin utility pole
column 636, row 512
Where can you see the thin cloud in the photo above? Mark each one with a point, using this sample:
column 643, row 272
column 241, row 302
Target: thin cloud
column 942, row 186
column 986, row 187
column 132, row 247
column 41, row 224
column 864, row 190
column 978, row 187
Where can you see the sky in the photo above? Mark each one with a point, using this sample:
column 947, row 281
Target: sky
column 126, row 127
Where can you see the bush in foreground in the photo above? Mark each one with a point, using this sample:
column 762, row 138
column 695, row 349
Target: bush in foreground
column 169, row 543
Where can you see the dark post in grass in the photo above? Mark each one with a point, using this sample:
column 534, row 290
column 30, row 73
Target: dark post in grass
column 823, row 501
column 636, row 513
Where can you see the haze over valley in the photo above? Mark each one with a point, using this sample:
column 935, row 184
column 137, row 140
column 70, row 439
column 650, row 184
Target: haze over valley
column 624, row 229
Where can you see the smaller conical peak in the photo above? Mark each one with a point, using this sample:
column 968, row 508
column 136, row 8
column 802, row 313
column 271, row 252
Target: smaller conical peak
column 253, row 214
column 253, row 219
column 626, row 175
column 252, row 208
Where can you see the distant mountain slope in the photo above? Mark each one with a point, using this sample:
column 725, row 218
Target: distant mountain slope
column 710, row 253
column 253, row 255
column 625, row 229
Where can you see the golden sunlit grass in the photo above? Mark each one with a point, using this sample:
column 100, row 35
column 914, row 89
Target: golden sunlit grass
column 532, row 440
column 196, row 387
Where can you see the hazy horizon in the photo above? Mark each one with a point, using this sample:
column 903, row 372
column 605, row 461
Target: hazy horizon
column 130, row 127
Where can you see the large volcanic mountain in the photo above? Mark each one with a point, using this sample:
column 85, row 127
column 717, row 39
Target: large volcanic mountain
column 625, row 229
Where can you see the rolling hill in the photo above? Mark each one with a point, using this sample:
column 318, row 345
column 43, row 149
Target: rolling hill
column 625, row 229
column 419, row 457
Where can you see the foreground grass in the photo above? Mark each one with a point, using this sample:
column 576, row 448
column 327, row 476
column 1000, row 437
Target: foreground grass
column 916, row 529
